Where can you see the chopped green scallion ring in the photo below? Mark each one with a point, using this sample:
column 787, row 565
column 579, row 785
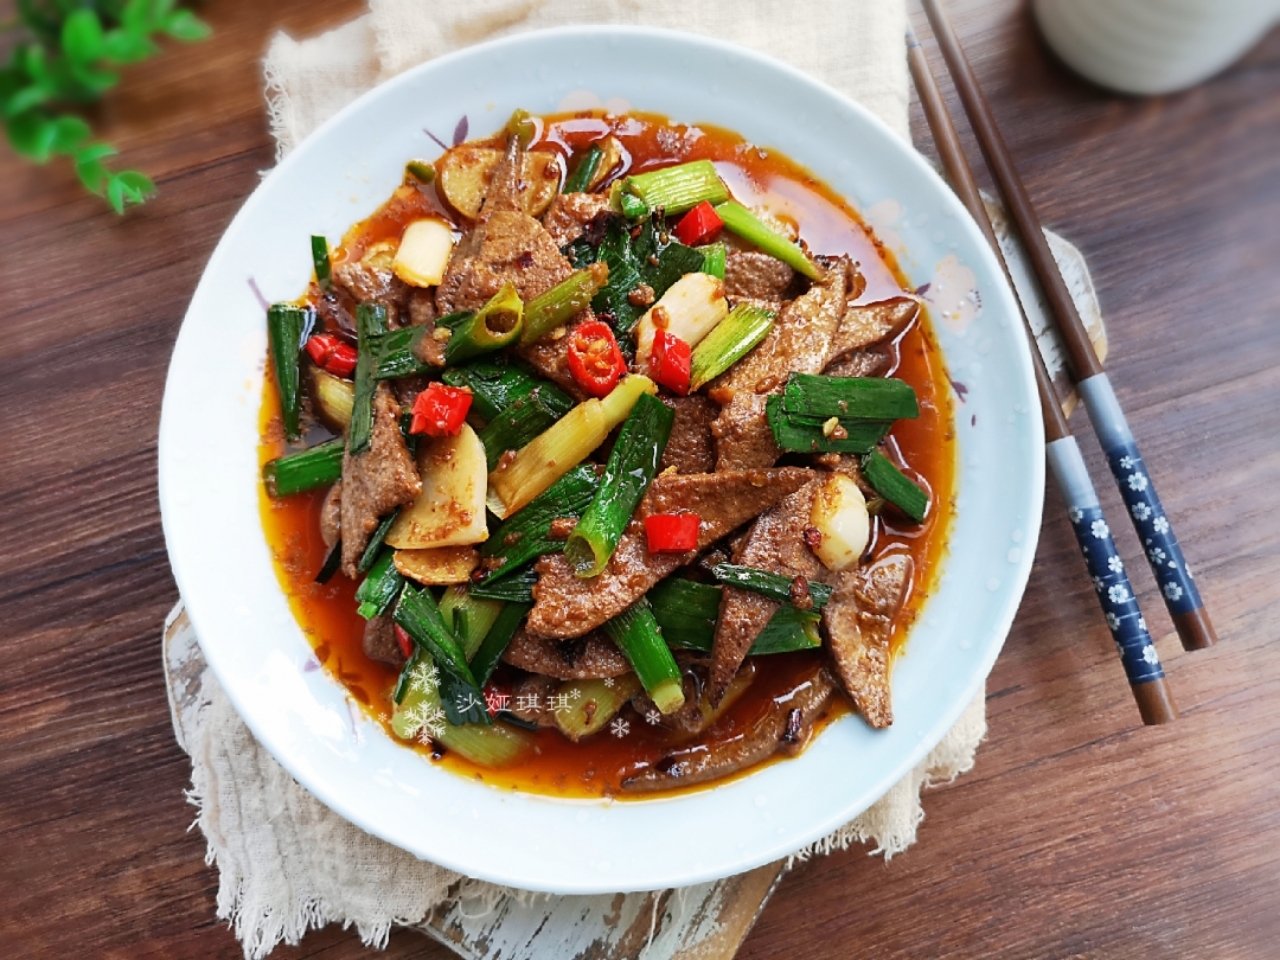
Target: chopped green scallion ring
column 714, row 256
column 287, row 330
column 320, row 260
column 558, row 305
column 738, row 219
column 775, row 586
column 732, row 339
column 319, row 466
column 371, row 323
column 895, row 486
column 819, row 398
column 495, row 325
column 639, row 637
column 679, row 188
column 632, row 464
column 580, row 179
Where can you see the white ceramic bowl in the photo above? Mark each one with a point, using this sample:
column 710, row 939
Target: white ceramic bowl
column 209, row 476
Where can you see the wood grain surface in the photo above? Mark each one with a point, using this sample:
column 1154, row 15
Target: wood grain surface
column 1079, row 833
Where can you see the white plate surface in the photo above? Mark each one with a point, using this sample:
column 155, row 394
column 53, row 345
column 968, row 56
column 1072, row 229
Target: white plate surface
column 208, row 468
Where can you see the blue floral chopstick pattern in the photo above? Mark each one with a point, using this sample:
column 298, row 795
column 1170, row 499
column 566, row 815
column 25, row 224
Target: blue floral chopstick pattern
column 1139, row 493
column 1120, row 607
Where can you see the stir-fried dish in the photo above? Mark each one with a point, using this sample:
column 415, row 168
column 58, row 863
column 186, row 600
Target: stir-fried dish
column 607, row 457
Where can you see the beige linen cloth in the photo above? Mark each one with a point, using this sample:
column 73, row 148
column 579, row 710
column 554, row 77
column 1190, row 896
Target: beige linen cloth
column 288, row 863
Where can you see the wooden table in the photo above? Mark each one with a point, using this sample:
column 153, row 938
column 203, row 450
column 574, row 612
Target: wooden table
column 1079, row 833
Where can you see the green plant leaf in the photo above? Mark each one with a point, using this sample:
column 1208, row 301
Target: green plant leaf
column 137, row 182
column 115, row 194
column 69, row 133
column 186, row 26
column 70, row 55
column 24, row 100
column 122, row 46
column 32, row 59
column 31, row 135
column 96, row 82
column 95, row 151
column 82, row 37
column 136, row 17
column 92, row 175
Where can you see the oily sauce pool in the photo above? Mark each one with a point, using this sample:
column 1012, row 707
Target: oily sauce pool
column 596, row 766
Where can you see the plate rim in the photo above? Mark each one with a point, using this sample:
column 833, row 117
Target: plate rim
column 765, row 853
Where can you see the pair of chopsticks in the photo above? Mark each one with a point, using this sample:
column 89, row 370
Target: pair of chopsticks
column 1119, row 605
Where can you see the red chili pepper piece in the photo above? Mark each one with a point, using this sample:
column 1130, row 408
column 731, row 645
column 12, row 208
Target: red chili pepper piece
column 320, row 348
column 439, row 410
column 405, row 641
column 700, row 225
column 670, row 362
column 329, row 353
column 672, row 532
column 342, row 363
column 594, row 358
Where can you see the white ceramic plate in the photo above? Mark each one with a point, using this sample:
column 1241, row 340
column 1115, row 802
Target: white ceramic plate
column 209, row 476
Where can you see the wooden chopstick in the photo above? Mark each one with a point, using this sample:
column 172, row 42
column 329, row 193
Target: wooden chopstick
column 1132, row 477
column 1119, row 604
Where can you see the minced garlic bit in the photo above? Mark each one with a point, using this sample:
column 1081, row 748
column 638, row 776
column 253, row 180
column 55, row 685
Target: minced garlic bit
column 830, row 427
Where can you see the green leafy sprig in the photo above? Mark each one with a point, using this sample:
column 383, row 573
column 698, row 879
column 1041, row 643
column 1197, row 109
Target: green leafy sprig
column 71, row 55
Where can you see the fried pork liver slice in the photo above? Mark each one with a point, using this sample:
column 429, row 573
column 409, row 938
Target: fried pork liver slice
column 508, row 245
column 691, row 448
column 592, row 656
column 775, row 543
column 567, row 217
column 798, row 343
column 859, row 626
column 865, row 324
column 756, row 277
column 567, row 606
column 786, row 726
column 377, row 481
column 505, row 245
